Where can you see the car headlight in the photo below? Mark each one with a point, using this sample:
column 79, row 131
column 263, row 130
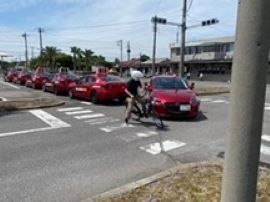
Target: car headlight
column 156, row 101
column 194, row 101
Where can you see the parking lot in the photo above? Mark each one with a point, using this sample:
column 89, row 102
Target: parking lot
column 78, row 150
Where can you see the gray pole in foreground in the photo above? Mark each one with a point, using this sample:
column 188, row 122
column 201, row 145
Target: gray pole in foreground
column 183, row 38
column 40, row 30
column 154, row 46
column 247, row 101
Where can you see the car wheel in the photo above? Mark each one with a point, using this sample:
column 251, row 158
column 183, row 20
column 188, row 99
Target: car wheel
column 56, row 91
column 94, row 97
column 44, row 88
column 70, row 94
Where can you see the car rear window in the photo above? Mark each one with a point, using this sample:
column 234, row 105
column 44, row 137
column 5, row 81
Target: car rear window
column 169, row 84
column 111, row 78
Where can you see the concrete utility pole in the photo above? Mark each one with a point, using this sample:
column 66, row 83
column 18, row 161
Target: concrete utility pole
column 183, row 38
column 120, row 44
column 154, row 45
column 40, row 30
column 26, row 49
column 247, row 104
column 128, row 51
column 32, row 52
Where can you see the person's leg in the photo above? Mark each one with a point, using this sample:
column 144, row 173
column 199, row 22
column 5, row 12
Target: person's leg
column 130, row 102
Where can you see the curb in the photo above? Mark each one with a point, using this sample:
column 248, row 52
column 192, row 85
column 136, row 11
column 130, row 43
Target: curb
column 12, row 105
column 212, row 93
column 146, row 181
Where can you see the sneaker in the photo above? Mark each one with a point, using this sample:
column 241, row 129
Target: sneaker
column 126, row 120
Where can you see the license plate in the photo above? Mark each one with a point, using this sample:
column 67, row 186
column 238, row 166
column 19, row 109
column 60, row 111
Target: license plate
column 185, row 108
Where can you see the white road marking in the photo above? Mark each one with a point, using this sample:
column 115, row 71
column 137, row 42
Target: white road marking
column 117, row 127
column 102, row 121
column 69, row 109
column 89, row 116
column 26, row 131
column 54, row 123
column 10, row 85
column 220, row 101
column 266, row 138
column 3, row 99
column 265, row 150
column 267, row 108
column 86, row 103
column 147, row 134
column 49, row 119
column 157, row 148
column 206, row 99
column 78, row 112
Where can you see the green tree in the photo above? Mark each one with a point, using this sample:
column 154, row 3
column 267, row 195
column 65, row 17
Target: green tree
column 88, row 55
column 77, row 54
column 144, row 58
column 50, row 54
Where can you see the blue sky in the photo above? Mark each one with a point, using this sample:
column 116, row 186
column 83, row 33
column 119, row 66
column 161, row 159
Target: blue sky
column 98, row 24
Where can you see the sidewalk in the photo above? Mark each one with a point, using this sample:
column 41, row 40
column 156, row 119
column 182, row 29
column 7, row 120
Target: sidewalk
column 15, row 97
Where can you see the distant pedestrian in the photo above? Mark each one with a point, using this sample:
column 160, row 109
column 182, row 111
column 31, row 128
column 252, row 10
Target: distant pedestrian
column 201, row 76
column 188, row 75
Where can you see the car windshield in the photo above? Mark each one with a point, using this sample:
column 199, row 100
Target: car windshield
column 111, row 78
column 169, row 84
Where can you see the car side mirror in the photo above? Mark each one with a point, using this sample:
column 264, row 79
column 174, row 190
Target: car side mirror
column 192, row 86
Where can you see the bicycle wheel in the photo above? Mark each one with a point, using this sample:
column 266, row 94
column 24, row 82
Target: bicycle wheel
column 158, row 121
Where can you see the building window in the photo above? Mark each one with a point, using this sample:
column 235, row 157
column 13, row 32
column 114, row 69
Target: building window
column 177, row 51
column 198, row 49
column 209, row 49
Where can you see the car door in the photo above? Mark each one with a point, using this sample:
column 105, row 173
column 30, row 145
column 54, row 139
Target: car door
column 87, row 86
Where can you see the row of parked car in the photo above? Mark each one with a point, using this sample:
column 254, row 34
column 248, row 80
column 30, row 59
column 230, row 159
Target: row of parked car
column 173, row 95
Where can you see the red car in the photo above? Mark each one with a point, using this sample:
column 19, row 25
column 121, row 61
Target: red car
column 10, row 75
column 23, row 76
column 173, row 98
column 99, row 88
column 59, row 83
column 37, row 79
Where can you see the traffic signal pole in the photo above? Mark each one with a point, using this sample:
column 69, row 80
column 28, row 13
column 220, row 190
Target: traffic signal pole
column 249, row 76
column 154, row 20
column 183, row 38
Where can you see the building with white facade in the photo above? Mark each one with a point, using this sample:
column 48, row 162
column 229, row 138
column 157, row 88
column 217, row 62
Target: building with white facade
column 212, row 57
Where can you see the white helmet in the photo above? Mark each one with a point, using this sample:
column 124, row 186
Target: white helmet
column 136, row 75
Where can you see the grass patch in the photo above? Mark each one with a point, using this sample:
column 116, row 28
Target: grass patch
column 201, row 183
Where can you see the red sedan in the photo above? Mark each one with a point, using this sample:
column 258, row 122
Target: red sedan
column 99, row 88
column 23, row 76
column 173, row 98
column 10, row 75
column 37, row 79
column 59, row 83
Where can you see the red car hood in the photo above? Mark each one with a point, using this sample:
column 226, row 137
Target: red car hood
column 181, row 96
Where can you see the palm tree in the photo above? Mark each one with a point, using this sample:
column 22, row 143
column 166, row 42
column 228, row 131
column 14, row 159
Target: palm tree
column 88, row 53
column 50, row 54
column 77, row 53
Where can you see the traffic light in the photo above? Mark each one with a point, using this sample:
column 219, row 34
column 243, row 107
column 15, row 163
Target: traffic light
column 159, row 20
column 210, row 22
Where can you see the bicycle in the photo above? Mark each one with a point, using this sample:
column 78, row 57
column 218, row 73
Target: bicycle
column 150, row 112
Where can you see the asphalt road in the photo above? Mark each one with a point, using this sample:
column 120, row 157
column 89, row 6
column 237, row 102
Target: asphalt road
column 76, row 151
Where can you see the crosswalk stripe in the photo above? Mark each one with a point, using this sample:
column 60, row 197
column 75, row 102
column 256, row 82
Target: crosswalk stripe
column 205, row 99
column 116, row 127
column 79, row 112
column 219, row 101
column 265, row 149
column 69, row 109
column 165, row 146
column 266, row 138
column 86, row 103
column 147, row 134
column 102, row 120
column 89, row 116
